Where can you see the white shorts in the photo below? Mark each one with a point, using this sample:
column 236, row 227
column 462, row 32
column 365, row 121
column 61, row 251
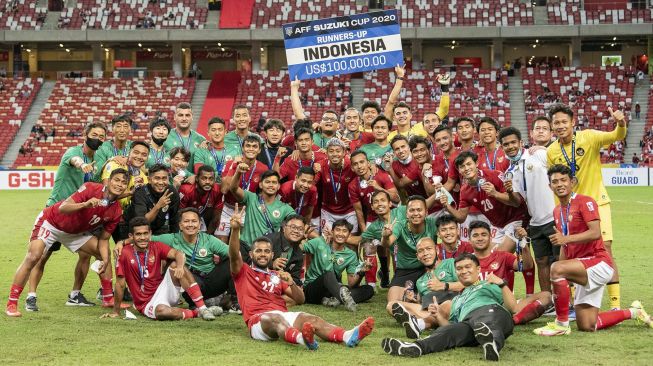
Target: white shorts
column 328, row 219
column 225, row 225
column 49, row 234
column 464, row 227
column 508, row 230
column 166, row 294
column 256, row 330
column 598, row 276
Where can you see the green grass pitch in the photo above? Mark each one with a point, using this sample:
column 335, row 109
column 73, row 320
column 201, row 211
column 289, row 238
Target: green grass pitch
column 62, row 335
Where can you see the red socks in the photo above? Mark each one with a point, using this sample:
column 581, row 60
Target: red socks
column 337, row 334
column 189, row 314
column 561, row 299
column 529, row 280
column 610, row 318
column 107, row 290
column 532, row 311
column 195, row 294
column 370, row 276
column 14, row 294
column 291, row 335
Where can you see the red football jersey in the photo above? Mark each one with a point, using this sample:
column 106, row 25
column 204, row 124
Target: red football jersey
column 501, row 264
column 290, row 167
column 127, row 266
column 191, row 196
column 248, row 180
column 581, row 210
column 86, row 219
column 334, row 193
column 413, row 172
column 463, row 247
column 289, row 142
column 363, row 139
column 442, row 167
column 290, row 196
column 492, row 160
column 259, row 291
column 498, row 213
column 364, row 195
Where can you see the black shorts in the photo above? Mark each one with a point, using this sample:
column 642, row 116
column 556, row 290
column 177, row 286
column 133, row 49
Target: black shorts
column 540, row 242
column 440, row 296
column 403, row 275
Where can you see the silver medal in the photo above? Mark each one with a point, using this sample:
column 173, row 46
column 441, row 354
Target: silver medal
column 428, row 173
column 275, row 279
column 378, row 161
column 364, row 184
column 481, row 181
column 507, row 176
column 104, row 202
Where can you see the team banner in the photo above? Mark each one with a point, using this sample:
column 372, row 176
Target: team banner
column 626, row 176
column 343, row 45
column 27, row 179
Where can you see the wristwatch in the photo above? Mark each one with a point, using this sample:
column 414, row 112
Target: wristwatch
column 446, row 286
column 502, row 284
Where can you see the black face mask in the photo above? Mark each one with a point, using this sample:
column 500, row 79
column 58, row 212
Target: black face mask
column 93, row 144
column 158, row 141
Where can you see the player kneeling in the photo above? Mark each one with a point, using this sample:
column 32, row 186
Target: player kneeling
column 156, row 294
column 260, row 294
column 587, row 263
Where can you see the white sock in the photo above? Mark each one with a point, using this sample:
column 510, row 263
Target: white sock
column 421, row 324
column 300, row 339
column 202, row 307
column 31, row 294
column 633, row 313
column 347, row 335
column 74, row 293
column 564, row 324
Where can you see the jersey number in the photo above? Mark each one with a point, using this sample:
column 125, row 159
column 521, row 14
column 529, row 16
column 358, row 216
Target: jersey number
column 487, row 205
column 43, row 233
column 590, row 206
column 268, row 286
column 94, row 220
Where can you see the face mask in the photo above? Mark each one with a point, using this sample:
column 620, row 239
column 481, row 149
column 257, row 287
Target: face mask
column 158, row 141
column 93, row 144
column 407, row 160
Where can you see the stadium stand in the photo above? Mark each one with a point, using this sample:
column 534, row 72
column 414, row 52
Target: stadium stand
column 16, row 97
column 21, row 14
column 274, row 13
column 589, row 90
column 474, row 92
column 269, row 91
column 75, row 102
column 134, row 14
column 424, row 13
column 571, row 12
column 647, row 140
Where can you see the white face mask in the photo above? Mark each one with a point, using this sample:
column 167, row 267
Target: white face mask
column 408, row 160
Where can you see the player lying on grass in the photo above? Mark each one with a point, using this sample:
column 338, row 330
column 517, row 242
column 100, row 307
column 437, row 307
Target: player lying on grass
column 480, row 315
column 71, row 222
column 156, row 294
column 260, row 293
column 584, row 261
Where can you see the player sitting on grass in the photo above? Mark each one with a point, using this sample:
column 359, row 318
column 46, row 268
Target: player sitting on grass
column 439, row 283
column 155, row 294
column 260, row 293
column 479, row 316
column 71, row 223
column 587, row 263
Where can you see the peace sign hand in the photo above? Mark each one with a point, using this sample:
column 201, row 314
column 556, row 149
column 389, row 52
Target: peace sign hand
column 387, row 228
column 236, row 217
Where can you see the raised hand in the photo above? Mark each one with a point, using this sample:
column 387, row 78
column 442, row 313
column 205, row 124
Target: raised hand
column 88, row 168
column 282, row 151
column 434, row 308
column 387, row 228
column 444, row 79
column 236, row 218
column 92, row 202
column 165, row 199
column 242, row 168
column 295, row 84
column 617, row 115
column 400, row 71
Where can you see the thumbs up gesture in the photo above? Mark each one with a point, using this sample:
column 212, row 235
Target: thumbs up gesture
column 557, row 238
column 618, row 116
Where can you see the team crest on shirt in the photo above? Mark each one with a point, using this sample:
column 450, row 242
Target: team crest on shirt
column 580, row 151
column 151, row 259
column 441, row 275
column 202, row 252
column 132, row 261
column 494, row 266
column 276, row 214
column 500, row 159
column 529, row 167
column 340, row 261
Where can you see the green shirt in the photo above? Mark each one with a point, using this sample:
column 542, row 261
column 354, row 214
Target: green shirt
column 190, row 143
column 106, row 152
column 234, row 144
column 375, row 229
column 157, row 157
column 345, row 260
column 207, row 247
column 473, row 297
column 406, row 241
column 69, row 178
column 217, row 159
column 320, row 140
column 375, row 151
column 322, row 258
column 259, row 216
column 445, row 272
